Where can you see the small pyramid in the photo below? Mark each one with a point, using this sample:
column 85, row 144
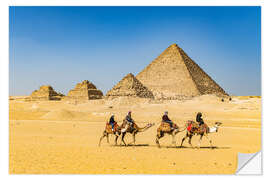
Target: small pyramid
column 45, row 92
column 174, row 75
column 84, row 91
column 130, row 86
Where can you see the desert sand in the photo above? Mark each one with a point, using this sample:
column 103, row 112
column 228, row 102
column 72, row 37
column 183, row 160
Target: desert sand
column 61, row 137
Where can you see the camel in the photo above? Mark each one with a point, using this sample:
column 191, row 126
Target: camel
column 133, row 130
column 108, row 130
column 193, row 128
column 165, row 128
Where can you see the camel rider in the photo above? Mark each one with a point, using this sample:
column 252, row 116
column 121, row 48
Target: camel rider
column 166, row 119
column 129, row 119
column 112, row 121
column 199, row 118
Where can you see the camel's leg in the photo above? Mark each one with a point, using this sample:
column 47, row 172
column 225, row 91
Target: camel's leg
column 184, row 138
column 173, row 139
column 189, row 141
column 107, row 136
column 159, row 136
column 200, row 140
column 123, row 135
column 134, row 139
column 210, row 141
column 104, row 134
column 116, row 137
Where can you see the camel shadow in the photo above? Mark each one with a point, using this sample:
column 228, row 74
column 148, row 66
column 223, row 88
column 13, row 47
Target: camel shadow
column 202, row 147
column 131, row 145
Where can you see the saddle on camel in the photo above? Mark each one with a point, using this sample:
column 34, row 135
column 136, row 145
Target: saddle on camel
column 129, row 126
column 166, row 120
column 128, row 123
column 111, row 128
column 199, row 128
column 167, row 127
column 195, row 128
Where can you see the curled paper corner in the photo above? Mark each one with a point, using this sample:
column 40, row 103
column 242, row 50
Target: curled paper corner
column 249, row 164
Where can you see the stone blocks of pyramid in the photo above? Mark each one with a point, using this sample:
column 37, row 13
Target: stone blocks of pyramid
column 130, row 86
column 84, row 91
column 174, row 75
column 45, row 92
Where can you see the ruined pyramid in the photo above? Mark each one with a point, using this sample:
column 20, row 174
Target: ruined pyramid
column 130, row 86
column 174, row 75
column 45, row 92
column 84, row 91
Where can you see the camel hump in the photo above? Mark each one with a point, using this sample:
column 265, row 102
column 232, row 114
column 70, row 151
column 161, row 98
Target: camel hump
column 135, row 125
column 204, row 127
column 191, row 122
column 164, row 124
column 108, row 125
column 167, row 125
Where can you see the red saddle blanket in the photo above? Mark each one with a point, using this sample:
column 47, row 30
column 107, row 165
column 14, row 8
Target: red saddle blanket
column 189, row 127
column 193, row 127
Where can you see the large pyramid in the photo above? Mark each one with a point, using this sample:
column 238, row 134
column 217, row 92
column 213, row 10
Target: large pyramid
column 130, row 86
column 174, row 75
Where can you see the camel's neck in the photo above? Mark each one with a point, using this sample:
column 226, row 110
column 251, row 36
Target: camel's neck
column 144, row 128
column 213, row 129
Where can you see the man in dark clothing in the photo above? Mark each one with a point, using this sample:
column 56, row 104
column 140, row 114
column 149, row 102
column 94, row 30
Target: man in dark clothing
column 128, row 117
column 112, row 121
column 130, row 122
column 166, row 119
column 199, row 118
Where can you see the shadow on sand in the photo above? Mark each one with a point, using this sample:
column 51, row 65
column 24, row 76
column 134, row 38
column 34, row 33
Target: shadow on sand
column 202, row 147
column 129, row 145
column 174, row 147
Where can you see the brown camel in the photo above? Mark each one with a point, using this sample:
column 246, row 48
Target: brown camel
column 133, row 130
column 165, row 128
column 193, row 128
column 108, row 130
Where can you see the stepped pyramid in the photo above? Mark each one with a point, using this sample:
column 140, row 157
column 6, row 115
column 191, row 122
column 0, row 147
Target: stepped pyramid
column 45, row 92
column 174, row 75
column 84, row 91
column 130, row 86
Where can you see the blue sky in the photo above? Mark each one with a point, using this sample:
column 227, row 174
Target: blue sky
column 62, row 46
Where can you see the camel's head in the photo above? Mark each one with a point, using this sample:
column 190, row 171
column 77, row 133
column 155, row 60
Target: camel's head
column 150, row 125
column 218, row 124
column 215, row 128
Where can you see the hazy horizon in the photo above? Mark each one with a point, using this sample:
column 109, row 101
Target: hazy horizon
column 62, row 46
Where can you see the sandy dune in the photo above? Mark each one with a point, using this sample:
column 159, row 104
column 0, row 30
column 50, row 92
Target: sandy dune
column 51, row 137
